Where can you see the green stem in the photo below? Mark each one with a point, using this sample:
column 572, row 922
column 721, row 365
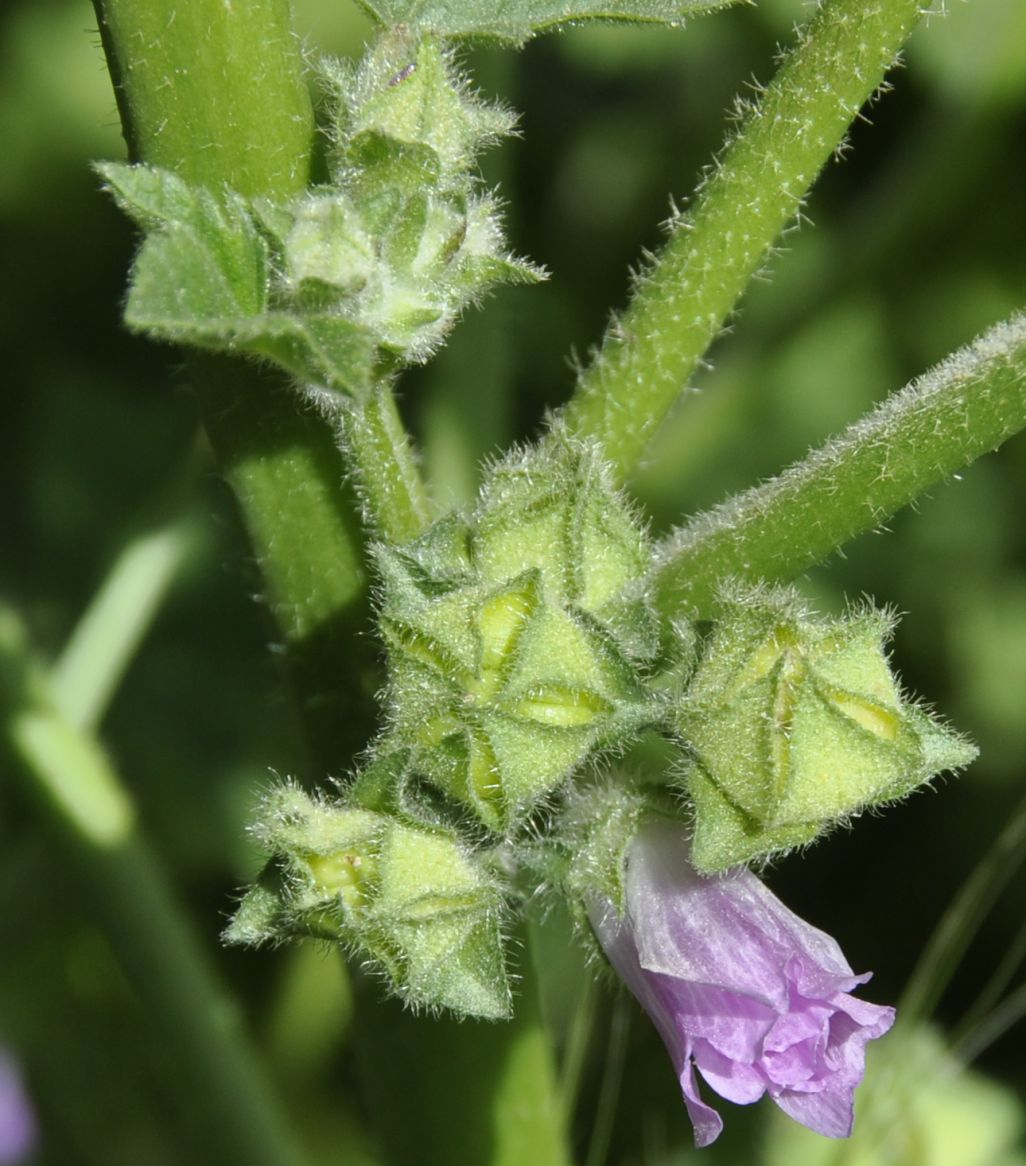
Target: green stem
column 70, row 774
column 683, row 300
column 215, row 91
column 288, row 476
column 212, row 90
column 964, row 407
column 387, row 477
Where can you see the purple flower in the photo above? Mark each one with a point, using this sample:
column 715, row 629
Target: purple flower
column 17, row 1121
column 738, row 986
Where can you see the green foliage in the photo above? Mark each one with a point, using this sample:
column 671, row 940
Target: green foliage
column 341, row 283
column 517, row 21
column 217, row 97
column 203, row 278
column 796, row 723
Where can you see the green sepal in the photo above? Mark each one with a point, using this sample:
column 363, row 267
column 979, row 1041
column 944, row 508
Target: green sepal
column 435, row 925
column 555, row 507
column 410, row 900
column 796, row 723
column 592, row 836
column 517, row 637
column 588, row 855
column 261, row 916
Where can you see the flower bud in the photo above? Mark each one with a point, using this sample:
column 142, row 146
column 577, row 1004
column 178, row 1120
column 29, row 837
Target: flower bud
column 795, row 723
column 514, row 640
column 328, row 248
column 402, row 241
column 413, row 901
column 405, row 90
column 555, row 508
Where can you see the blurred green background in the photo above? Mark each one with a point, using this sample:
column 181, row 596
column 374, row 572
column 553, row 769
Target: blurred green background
column 919, row 243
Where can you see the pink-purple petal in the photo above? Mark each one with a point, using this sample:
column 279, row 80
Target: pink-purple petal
column 732, row 1080
column 707, row 1122
column 829, row 1112
column 738, row 986
column 735, row 1025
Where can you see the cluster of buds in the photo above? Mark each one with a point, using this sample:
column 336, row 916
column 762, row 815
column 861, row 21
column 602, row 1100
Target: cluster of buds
column 794, row 723
column 412, row 901
column 351, row 279
column 516, row 637
column 400, row 241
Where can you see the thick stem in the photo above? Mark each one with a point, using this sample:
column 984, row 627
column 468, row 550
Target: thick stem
column 282, row 461
column 681, row 303
column 966, row 406
column 216, row 92
column 212, row 90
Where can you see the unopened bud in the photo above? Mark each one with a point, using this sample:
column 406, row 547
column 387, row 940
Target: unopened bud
column 796, row 723
column 514, row 642
column 414, row 901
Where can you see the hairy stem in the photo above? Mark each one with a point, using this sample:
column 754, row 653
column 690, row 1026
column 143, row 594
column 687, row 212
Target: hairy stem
column 962, row 408
column 282, row 462
column 213, row 91
column 681, row 302
column 386, row 476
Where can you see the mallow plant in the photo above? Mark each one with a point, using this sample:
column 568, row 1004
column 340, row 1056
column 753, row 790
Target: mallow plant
column 558, row 710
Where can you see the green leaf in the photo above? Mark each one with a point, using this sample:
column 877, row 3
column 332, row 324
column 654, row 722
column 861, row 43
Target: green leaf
column 516, row 21
column 324, row 350
column 149, row 196
column 202, row 278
